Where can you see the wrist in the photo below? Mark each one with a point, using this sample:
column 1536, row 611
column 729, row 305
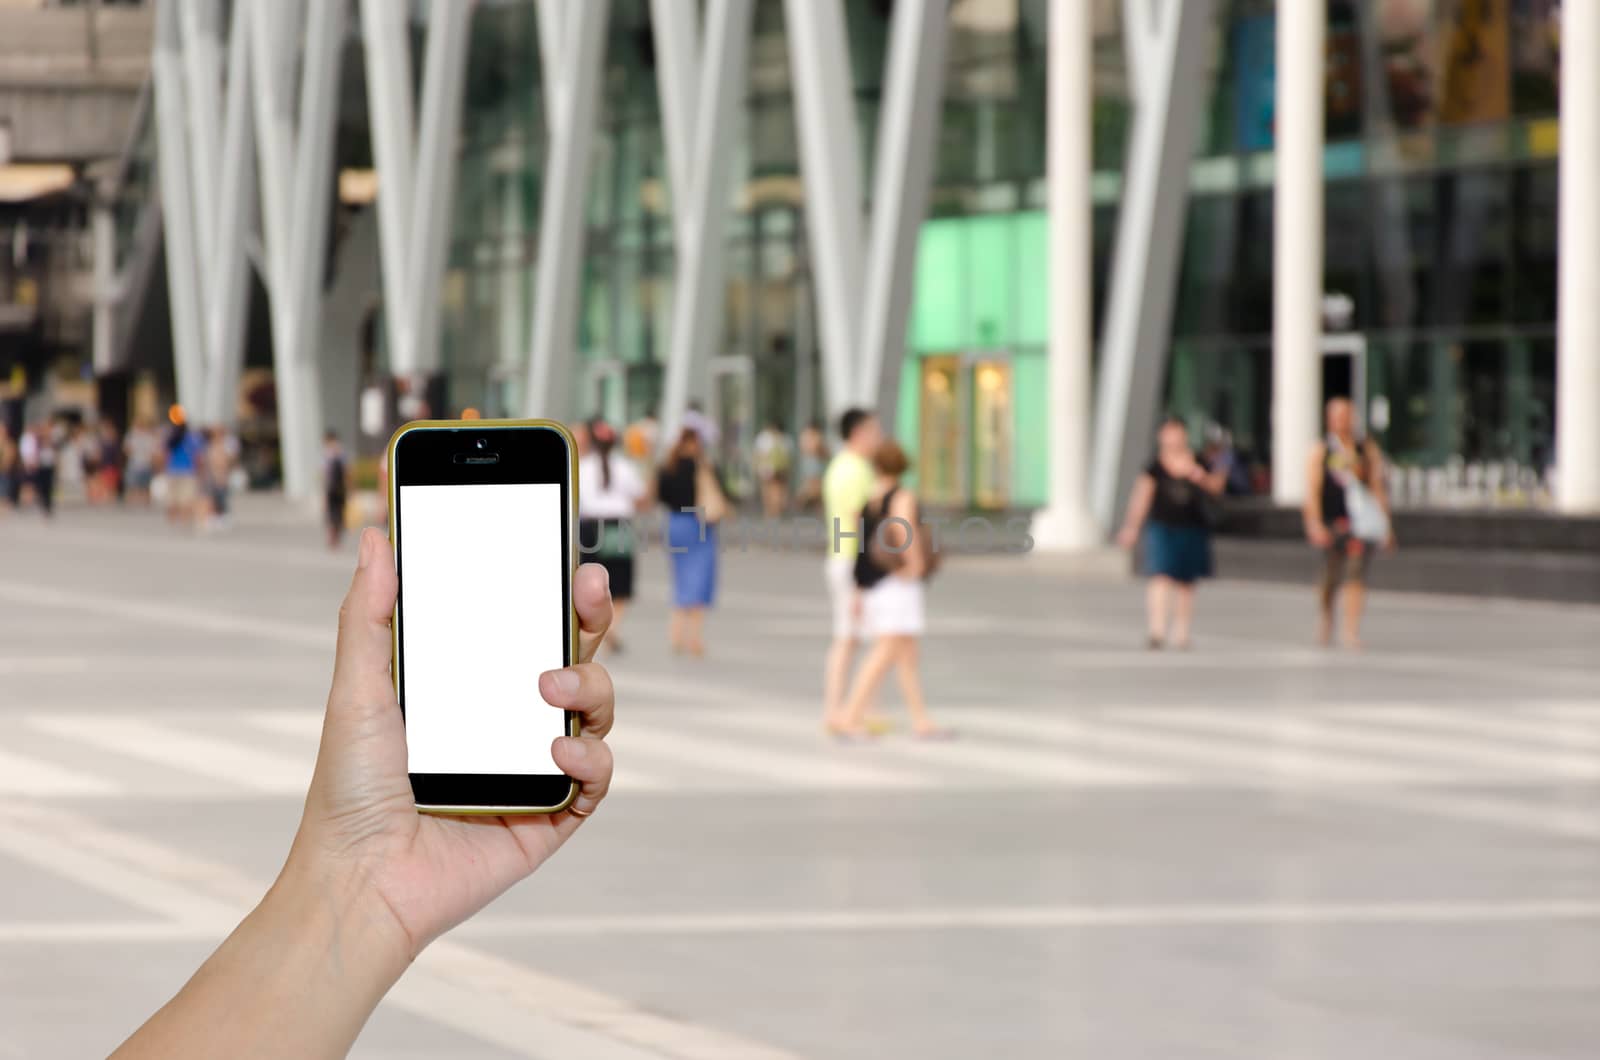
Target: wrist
column 338, row 940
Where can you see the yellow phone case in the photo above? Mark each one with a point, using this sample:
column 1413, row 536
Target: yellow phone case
column 573, row 725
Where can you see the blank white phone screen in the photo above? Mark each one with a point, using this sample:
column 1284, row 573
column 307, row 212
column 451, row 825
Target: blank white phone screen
column 480, row 619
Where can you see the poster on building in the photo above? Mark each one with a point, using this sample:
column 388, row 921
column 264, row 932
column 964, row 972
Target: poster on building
column 1474, row 61
column 1535, row 56
column 1254, row 81
column 1405, row 39
column 1342, row 79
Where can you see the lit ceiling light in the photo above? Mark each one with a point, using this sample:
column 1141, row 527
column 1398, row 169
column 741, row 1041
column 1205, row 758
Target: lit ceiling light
column 985, row 16
column 22, row 181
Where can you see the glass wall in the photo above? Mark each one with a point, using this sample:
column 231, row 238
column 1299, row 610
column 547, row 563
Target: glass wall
column 1440, row 228
column 1441, row 233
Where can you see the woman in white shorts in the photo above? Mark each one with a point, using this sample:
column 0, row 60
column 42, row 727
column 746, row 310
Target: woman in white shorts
column 892, row 609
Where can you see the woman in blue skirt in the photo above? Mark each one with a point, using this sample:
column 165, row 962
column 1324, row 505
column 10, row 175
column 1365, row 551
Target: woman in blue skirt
column 1171, row 503
column 690, row 490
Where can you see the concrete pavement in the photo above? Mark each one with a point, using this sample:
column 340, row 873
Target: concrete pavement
column 1255, row 849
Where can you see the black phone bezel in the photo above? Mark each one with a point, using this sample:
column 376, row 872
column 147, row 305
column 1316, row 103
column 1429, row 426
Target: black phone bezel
column 427, row 456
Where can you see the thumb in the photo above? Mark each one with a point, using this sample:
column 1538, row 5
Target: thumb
column 362, row 661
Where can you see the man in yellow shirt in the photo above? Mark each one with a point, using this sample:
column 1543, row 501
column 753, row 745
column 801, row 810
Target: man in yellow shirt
column 846, row 488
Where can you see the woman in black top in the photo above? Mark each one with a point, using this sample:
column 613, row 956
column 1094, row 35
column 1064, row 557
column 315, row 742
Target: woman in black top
column 1171, row 504
column 689, row 489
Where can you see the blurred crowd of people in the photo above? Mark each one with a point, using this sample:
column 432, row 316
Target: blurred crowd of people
column 191, row 472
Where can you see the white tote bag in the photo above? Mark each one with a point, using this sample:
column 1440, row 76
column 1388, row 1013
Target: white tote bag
column 1368, row 521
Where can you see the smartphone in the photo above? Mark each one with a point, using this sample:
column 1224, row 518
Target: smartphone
column 481, row 519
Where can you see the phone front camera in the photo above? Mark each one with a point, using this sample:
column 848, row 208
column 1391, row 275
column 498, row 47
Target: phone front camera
column 483, row 443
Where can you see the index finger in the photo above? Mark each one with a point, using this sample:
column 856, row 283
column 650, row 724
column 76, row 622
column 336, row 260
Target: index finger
column 591, row 597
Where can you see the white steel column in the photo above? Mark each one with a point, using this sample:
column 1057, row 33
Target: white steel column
column 1066, row 523
column 296, row 160
column 701, row 132
column 1578, row 326
column 830, row 167
column 200, row 24
column 177, row 196
column 572, row 44
column 864, row 285
column 415, row 183
column 1297, row 247
column 227, row 269
column 387, row 51
column 103, row 232
column 908, row 127
column 1144, row 276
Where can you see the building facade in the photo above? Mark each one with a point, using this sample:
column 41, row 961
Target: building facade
column 1440, row 157
column 1442, row 133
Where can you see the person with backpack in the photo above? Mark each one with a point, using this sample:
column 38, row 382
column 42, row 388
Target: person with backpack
column 1347, row 516
column 897, row 557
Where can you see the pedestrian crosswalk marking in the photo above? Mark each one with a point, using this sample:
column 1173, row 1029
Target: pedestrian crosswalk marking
column 964, row 761
column 174, row 747
column 1538, row 727
column 781, row 748
column 1370, row 736
column 21, row 775
column 1213, row 758
column 719, row 757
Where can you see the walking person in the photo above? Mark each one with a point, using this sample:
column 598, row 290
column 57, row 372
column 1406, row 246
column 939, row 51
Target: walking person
column 39, row 452
column 689, row 487
column 10, row 467
column 108, row 482
column 1172, row 504
column 335, row 487
column 889, row 571
column 182, row 471
column 141, row 450
column 610, row 494
column 774, row 457
column 1346, row 515
column 847, row 485
column 218, row 472
column 812, row 463
column 81, row 467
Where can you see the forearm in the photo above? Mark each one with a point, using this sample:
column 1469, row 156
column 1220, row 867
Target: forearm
column 1138, row 506
column 299, row 977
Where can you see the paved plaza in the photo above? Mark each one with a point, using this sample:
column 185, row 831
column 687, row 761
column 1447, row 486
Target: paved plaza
column 1256, row 849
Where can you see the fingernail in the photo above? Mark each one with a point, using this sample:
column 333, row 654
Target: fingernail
column 364, row 553
column 576, row 749
column 565, row 682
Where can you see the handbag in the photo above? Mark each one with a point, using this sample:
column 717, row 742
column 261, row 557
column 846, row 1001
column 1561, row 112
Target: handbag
column 708, row 494
column 1368, row 521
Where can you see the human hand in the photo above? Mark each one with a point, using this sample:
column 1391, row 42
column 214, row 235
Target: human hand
column 1128, row 536
column 1391, row 544
column 1319, row 535
column 361, row 833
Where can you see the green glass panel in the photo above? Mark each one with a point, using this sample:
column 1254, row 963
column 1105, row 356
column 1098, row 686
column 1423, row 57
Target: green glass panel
column 908, row 414
column 939, row 312
column 1031, row 386
column 1033, row 279
column 993, row 271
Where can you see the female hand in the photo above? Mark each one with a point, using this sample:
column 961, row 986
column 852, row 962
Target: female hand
column 1128, row 536
column 361, row 828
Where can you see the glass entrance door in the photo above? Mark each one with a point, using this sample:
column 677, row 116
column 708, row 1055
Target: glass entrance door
column 943, row 474
column 993, row 421
column 968, row 423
